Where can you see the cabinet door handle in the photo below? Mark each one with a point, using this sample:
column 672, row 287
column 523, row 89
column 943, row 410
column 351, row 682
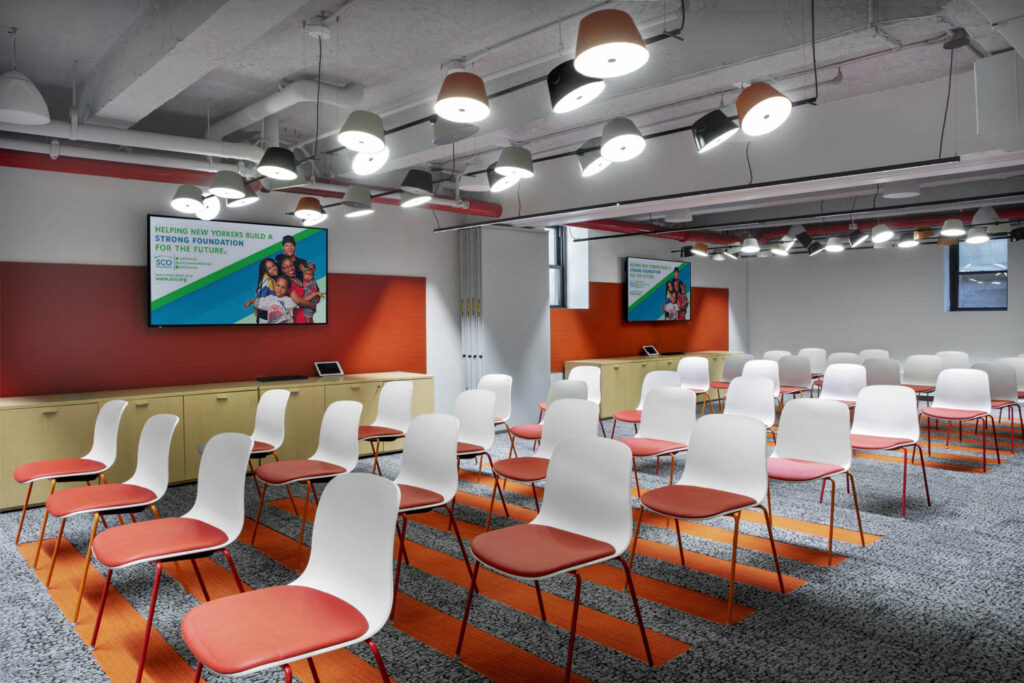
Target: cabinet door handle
column 141, row 404
column 222, row 398
column 356, row 388
column 50, row 412
column 294, row 392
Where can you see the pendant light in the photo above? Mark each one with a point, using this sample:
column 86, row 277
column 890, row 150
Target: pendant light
column 516, row 162
column 278, row 163
column 368, row 163
column 977, row 235
column 591, row 161
column 621, row 140
column 986, row 216
column 859, row 237
column 462, row 98
column 784, row 245
column 762, row 109
column 953, row 227
column 359, row 201
column 410, row 200
column 718, row 257
column 418, row 182
column 227, row 185
column 569, row 89
column 308, row 208
column 608, row 45
column 712, row 129
column 363, row 132
column 497, row 182
column 187, row 199
column 21, row 103
column 699, row 249
column 903, row 189
column 908, row 240
column 210, row 208
column 249, row 197
column 750, row 246
column 815, row 248
column 834, row 245
column 881, row 233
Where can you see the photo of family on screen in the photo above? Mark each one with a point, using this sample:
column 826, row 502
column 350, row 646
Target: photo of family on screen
column 286, row 290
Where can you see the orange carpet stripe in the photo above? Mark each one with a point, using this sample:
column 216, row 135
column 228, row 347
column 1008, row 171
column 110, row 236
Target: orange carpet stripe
column 753, row 576
column 932, row 464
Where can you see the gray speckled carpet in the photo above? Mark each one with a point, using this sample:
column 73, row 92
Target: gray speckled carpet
column 939, row 597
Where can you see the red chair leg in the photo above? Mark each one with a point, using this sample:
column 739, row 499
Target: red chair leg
column 398, row 569
column 312, row 668
column 924, row 473
column 679, row 542
column 995, row 440
column 540, row 601
column 614, row 422
column 536, row 500
column 636, row 537
column 636, row 607
column 24, row 508
column 856, row 507
column 56, row 549
column 490, row 510
column 601, row 422
column 234, row 572
column 771, row 539
column 732, row 565
column 99, row 613
column 149, row 623
column 380, row 662
column 259, row 514
column 465, row 614
column 904, row 508
column 455, row 525
column 984, row 450
column 199, row 673
column 821, row 496
column 928, row 433
column 572, row 627
column 287, row 673
column 831, row 519
column 202, row 584
column 302, row 524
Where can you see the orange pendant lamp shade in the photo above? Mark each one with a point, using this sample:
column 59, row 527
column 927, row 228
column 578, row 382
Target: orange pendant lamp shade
column 462, row 98
column 609, row 45
column 762, row 109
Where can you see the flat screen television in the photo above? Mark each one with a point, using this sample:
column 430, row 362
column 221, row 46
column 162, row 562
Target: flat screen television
column 657, row 290
column 232, row 273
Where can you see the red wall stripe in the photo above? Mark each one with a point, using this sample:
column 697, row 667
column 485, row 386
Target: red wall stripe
column 71, row 328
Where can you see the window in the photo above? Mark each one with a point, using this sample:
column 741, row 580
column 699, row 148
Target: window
column 556, row 267
column 978, row 276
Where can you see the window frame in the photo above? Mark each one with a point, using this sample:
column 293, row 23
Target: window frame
column 560, row 254
column 953, row 282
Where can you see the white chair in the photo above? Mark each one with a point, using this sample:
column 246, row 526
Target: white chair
column 814, row 444
column 920, row 372
column 1002, row 383
column 882, row 371
column 725, row 474
column 501, row 385
column 954, row 360
column 93, row 464
column 652, row 380
column 732, row 368
column 586, row 519
column 819, row 360
column 961, row 395
column 1017, row 363
column 212, row 524
column 886, row 419
column 775, row 355
column 339, row 601
column 872, row 353
column 665, row 427
column 394, row 413
column 268, row 430
column 842, row 382
column 337, row 452
column 765, row 368
column 564, row 419
column 429, row 476
column 563, row 388
column 474, row 409
column 795, row 376
column 843, row 357
column 694, row 375
column 751, row 396
column 589, row 375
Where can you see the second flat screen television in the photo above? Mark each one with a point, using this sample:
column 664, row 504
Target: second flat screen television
column 657, row 290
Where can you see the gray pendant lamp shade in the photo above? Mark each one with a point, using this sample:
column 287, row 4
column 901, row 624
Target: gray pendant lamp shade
column 621, row 140
column 953, row 227
column 278, row 163
column 712, row 129
column 21, row 103
column 418, row 182
column 569, row 89
column 498, row 182
column 591, row 161
column 359, row 201
column 515, row 161
column 227, row 185
column 448, row 132
column 249, row 197
column 187, row 199
column 363, row 132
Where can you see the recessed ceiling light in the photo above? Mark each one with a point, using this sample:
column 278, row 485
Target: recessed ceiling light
column 608, row 45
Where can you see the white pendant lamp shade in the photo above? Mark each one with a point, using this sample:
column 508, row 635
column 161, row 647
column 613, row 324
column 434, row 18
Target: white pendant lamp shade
column 977, row 235
column 908, row 240
column 953, row 227
column 784, row 245
column 363, row 132
column 762, row 109
column 986, row 215
column 498, row 182
column 569, row 89
column 227, row 185
column 591, row 161
column 834, row 244
column 368, row 163
column 308, row 209
column 278, row 163
column 249, row 197
column 699, row 249
column 718, row 257
column 903, row 189
column 621, row 140
column 21, row 103
column 609, row 45
column 359, row 201
column 881, row 233
column 462, row 98
column 210, row 209
column 187, row 199
column 410, row 200
column 750, row 246
column 516, row 162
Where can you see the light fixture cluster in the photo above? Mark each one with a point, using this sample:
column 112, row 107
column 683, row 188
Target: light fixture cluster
column 226, row 185
column 760, row 109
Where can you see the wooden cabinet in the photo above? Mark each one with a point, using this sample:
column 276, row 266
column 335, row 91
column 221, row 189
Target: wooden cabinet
column 41, row 433
column 301, row 420
column 135, row 415
column 213, row 413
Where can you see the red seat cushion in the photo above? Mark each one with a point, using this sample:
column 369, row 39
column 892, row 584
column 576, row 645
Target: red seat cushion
column 248, row 630
column 155, row 539
column 1020, row 394
column 262, row 447
column 97, row 498
column 921, row 388
column 55, row 469
column 719, row 385
column 531, row 432
column 464, row 448
column 788, row 469
column 414, row 498
column 522, row 469
column 628, row 415
column 952, row 413
column 865, row 442
column 287, row 471
column 1002, row 404
column 792, row 389
column 371, row 432
column 643, row 447
column 534, row 550
column 693, row 502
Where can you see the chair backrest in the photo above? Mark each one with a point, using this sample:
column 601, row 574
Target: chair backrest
column 152, row 467
column 733, row 366
column 764, row 368
column 775, row 354
column 501, row 385
column 669, row 415
column 654, row 380
column 429, row 459
column 591, row 376
column 962, row 389
column 565, row 419
column 954, row 360
column 922, row 369
column 104, row 434
column 588, row 490
column 872, row 353
column 394, row 407
column 565, row 388
column 1002, row 380
column 270, row 413
column 694, row 373
column 352, row 561
column 882, row 371
column 843, row 357
column 795, row 371
column 474, row 409
column 887, row 410
column 751, row 396
column 339, row 435
column 220, row 489
column 1017, row 363
column 819, row 360
column 727, row 453
column 843, row 381
column 814, row 429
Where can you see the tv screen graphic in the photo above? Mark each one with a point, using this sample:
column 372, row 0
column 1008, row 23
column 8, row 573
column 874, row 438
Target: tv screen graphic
column 230, row 273
column 657, row 290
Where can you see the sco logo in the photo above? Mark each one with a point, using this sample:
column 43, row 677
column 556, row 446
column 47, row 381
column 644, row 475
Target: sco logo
column 164, row 262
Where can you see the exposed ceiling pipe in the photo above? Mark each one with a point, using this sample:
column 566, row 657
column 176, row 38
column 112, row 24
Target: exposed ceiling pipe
column 56, row 149
column 344, row 97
